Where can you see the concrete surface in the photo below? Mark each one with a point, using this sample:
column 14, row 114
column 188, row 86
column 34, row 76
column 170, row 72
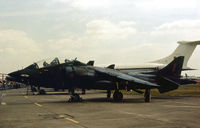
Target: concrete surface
column 53, row 111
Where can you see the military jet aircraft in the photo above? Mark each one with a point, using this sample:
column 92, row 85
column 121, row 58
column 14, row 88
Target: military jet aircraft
column 75, row 74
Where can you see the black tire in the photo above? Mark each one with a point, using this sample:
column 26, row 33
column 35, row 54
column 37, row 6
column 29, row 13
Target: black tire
column 33, row 89
column 42, row 92
column 120, row 96
column 117, row 96
column 108, row 94
column 55, row 89
column 75, row 98
column 147, row 96
column 147, row 99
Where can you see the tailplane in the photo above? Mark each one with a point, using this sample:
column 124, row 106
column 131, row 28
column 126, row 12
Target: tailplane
column 185, row 48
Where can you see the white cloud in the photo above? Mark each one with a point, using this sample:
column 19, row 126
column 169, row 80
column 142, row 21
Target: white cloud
column 179, row 30
column 166, row 4
column 103, row 29
column 16, row 48
column 127, row 23
column 87, row 4
column 97, row 31
column 104, row 41
column 100, row 37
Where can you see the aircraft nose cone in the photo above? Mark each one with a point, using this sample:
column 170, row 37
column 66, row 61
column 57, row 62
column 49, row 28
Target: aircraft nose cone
column 13, row 74
column 10, row 78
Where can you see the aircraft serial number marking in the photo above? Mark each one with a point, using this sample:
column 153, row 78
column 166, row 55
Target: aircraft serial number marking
column 74, row 121
column 39, row 105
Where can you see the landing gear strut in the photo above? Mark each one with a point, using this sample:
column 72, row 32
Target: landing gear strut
column 117, row 95
column 83, row 91
column 30, row 88
column 71, row 91
column 147, row 95
column 33, row 89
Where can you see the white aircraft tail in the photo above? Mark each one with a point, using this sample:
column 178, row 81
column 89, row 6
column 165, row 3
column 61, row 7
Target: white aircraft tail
column 185, row 48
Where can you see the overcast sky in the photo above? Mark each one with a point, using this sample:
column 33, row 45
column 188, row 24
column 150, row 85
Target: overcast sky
column 124, row 32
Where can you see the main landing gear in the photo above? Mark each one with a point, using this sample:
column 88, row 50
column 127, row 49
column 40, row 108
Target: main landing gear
column 74, row 97
column 83, row 91
column 41, row 91
column 117, row 95
column 147, row 95
column 30, row 88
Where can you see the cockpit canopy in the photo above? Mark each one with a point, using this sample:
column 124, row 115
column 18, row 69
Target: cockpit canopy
column 53, row 62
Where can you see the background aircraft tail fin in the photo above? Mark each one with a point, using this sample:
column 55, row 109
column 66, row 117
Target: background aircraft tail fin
column 185, row 48
column 173, row 69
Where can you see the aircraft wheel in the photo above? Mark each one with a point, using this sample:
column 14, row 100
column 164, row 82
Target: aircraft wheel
column 33, row 89
column 147, row 95
column 42, row 92
column 117, row 96
column 75, row 98
column 108, row 93
column 55, row 89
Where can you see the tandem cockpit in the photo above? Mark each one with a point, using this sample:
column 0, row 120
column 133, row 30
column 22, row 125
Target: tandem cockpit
column 54, row 62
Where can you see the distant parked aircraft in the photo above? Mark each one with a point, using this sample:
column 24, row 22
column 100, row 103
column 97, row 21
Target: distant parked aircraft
column 185, row 49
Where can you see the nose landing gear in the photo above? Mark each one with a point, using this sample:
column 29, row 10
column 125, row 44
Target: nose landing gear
column 74, row 97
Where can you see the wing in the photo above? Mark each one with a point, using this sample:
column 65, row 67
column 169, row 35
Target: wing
column 125, row 77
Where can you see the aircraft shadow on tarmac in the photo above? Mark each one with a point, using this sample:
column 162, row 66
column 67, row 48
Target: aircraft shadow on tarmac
column 105, row 100
column 66, row 93
column 136, row 100
column 129, row 100
column 97, row 100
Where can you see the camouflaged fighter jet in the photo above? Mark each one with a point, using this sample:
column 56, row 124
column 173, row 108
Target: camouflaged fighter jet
column 77, row 75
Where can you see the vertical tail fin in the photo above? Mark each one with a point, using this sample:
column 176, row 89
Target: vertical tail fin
column 173, row 69
column 185, row 48
column 168, row 73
